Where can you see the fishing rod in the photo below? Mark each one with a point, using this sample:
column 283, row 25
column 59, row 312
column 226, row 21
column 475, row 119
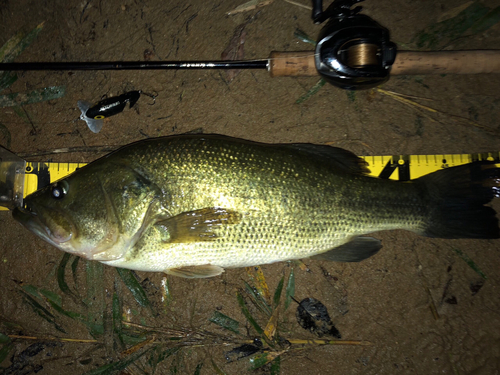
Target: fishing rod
column 352, row 52
column 136, row 65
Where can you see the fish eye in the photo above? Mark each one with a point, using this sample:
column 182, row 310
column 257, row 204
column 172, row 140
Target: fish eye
column 59, row 190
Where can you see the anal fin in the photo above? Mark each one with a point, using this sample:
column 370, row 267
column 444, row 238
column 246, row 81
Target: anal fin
column 356, row 250
column 196, row 272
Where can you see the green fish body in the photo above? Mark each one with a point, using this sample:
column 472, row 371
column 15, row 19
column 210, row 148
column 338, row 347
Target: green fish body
column 194, row 205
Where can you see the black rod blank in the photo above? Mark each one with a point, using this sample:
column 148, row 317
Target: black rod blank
column 135, row 65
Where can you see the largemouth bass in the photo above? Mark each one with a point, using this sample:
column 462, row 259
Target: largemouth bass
column 194, row 205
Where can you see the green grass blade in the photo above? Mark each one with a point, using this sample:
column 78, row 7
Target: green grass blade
column 11, row 49
column 33, row 290
column 152, row 360
column 488, row 21
column 22, row 113
column 133, row 285
column 299, row 34
column 275, row 366
column 53, row 299
column 225, row 322
column 7, row 79
column 438, row 34
column 176, row 364
column 61, row 279
column 6, row 135
column 167, row 353
column 11, row 325
column 5, row 350
column 61, row 270
column 117, row 318
column 165, row 292
column 74, row 267
column 69, row 314
column 51, row 296
column 41, row 311
column 35, row 96
column 290, row 289
column 4, row 339
column 258, row 299
column 217, row 369
column 261, row 359
column 197, row 371
column 351, row 95
column 132, row 339
column 159, row 355
column 95, row 298
column 311, row 92
column 18, row 43
column 248, row 316
column 469, row 262
column 277, row 293
column 6, row 346
column 116, row 367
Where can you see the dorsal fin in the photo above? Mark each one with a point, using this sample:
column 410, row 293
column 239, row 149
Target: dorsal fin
column 343, row 159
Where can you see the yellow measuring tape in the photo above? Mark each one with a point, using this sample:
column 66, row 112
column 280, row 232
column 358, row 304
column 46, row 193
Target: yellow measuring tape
column 410, row 167
column 399, row 167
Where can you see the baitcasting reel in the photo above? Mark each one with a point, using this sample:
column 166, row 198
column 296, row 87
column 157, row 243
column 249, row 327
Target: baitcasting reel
column 353, row 51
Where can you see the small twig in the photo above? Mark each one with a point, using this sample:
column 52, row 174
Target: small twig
column 66, row 150
column 33, row 131
column 82, row 341
column 298, row 4
column 83, row 11
column 329, row 342
column 432, row 305
column 400, row 98
column 404, row 95
column 168, row 331
column 138, row 346
column 178, row 333
column 250, row 5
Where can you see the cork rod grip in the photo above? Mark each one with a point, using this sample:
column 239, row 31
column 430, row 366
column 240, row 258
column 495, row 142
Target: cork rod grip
column 446, row 62
column 292, row 64
column 407, row 62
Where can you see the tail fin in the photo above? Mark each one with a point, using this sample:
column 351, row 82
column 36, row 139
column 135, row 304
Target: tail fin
column 458, row 196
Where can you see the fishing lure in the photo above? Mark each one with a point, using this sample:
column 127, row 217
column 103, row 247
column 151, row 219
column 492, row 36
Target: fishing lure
column 94, row 114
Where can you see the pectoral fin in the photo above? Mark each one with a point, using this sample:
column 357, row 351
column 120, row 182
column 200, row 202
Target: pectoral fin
column 196, row 272
column 360, row 248
column 198, row 225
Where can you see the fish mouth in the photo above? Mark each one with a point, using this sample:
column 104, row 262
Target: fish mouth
column 43, row 225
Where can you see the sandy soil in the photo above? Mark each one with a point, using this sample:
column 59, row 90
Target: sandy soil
column 385, row 300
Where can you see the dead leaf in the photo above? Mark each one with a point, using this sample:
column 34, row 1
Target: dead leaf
column 313, row 316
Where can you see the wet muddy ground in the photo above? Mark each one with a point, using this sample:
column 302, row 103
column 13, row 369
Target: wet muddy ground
column 423, row 309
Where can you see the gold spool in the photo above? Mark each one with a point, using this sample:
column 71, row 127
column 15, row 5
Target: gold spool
column 360, row 55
